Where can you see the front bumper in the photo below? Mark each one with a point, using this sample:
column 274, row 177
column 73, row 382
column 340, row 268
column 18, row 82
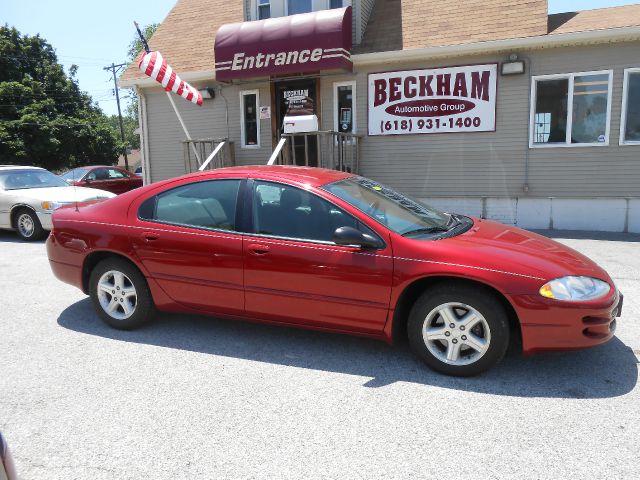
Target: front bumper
column 45, row 219
column 549, row 325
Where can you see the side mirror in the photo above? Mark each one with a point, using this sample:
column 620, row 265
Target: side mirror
column 349, row 236
column 87, row 180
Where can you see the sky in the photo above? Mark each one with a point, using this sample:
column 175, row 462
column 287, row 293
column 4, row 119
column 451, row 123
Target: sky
column 93, row 34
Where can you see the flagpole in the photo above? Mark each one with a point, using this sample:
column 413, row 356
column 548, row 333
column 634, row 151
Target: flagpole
column 145, row 45
column 184, row 127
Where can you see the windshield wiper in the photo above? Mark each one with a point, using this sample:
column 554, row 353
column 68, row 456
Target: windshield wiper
column 426, row 230
column 456, row 221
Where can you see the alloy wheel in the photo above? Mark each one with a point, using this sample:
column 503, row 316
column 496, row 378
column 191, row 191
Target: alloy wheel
column 117, row 295
column 456, row 333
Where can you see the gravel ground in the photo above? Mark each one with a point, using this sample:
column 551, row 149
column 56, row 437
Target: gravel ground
column 193, row 397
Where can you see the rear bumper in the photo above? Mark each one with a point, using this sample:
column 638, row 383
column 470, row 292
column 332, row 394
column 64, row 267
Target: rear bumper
column 549, row 325
column 61, row 263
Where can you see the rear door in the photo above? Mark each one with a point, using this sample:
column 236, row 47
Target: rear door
column 98, row 178
column 295, row 273
column 118, row 181
column 187, row 238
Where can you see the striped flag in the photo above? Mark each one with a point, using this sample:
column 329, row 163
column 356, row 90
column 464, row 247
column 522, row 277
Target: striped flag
column 153, row 65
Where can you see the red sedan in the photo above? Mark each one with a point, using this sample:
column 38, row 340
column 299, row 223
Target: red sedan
column 112, row 179
column 328, row 250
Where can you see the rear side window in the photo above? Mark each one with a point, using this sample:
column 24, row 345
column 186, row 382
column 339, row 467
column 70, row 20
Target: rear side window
column 116, row 174
column 98, row 174
column 210, row 205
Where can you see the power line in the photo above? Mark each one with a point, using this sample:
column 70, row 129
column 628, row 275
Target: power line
column 114, row 70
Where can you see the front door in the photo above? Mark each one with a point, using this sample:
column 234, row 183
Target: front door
column 187, row 239
column 293, row 271
column 292, row 98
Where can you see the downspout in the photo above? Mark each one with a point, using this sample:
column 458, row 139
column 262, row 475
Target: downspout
column 144, row 136
column 525, row 185
column 226, row 111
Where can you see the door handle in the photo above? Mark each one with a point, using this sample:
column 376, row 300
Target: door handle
column 258, row 249
column 150, row 236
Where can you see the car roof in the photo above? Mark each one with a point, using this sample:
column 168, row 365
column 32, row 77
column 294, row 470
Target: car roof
column 19, row 167
column 305, row 175
column 87, row 167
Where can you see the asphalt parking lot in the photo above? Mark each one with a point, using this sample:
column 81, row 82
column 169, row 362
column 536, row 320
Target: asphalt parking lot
column 194, row 397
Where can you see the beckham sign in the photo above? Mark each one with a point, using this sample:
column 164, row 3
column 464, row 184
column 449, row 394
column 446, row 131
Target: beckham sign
column 442, row 100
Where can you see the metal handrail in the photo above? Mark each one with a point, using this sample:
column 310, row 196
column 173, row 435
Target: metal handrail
column 277, row 151
column 334, row 150
column 213, row 154
column 221, row 155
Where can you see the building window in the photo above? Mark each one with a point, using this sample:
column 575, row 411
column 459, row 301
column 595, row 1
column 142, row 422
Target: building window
column 299, row 6
column 335, row 3
column 249, row 123
column 264, row 9
column 571, row 110
column 344, row 117
column 630, row 122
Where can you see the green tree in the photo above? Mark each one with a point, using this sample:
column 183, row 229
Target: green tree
column 45, row 119
column 130, row 123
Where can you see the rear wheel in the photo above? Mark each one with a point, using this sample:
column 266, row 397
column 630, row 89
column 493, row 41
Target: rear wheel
column 458, row 330
column 28, row 225
column 120, row 294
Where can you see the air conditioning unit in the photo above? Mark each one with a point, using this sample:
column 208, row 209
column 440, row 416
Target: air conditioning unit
column 300, row 123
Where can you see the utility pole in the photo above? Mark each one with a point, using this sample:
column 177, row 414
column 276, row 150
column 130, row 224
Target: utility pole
column 114, row 70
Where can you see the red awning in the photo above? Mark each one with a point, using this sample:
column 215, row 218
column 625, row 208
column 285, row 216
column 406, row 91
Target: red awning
column 285, row 45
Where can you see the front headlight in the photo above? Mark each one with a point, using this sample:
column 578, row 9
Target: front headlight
column 51, row 206
column 575, row 288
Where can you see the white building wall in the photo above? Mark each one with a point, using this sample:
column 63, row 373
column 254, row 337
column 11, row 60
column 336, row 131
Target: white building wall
column 596, row 214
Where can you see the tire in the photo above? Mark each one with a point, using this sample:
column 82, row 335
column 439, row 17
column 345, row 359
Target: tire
column 114, row 276
column 458, row 330
column 28, row 225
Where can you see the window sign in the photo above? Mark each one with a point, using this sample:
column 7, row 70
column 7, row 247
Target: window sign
column 542, row 127
column 630, row 125
column 265, row 112
column 335, row 3
column 571, row 109
column 441, row 100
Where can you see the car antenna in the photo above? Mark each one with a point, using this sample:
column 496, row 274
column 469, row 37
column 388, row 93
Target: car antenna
column 75, row 188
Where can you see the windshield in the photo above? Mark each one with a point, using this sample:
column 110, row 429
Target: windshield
column 74, row 174
column 397, row 212
column 31, row 178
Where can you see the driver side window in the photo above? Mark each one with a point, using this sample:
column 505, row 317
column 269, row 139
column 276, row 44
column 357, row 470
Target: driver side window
column 285, row 211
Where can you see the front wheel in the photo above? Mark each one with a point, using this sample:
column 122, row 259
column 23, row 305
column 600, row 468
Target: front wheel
column 28, row 225
column 458, row 330
column 120, row 294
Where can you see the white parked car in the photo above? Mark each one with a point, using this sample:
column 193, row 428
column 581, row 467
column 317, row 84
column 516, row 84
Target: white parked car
column 29, row 195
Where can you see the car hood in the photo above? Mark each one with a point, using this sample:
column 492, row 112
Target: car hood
column 522, row 252
column 58, row 194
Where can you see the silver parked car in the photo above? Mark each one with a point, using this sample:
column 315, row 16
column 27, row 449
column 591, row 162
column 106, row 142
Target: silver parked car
column 29, row 195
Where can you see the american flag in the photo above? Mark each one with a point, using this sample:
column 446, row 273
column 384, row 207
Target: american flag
column 153, row 65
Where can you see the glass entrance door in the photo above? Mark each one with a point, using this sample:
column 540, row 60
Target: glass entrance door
column 298, row 97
